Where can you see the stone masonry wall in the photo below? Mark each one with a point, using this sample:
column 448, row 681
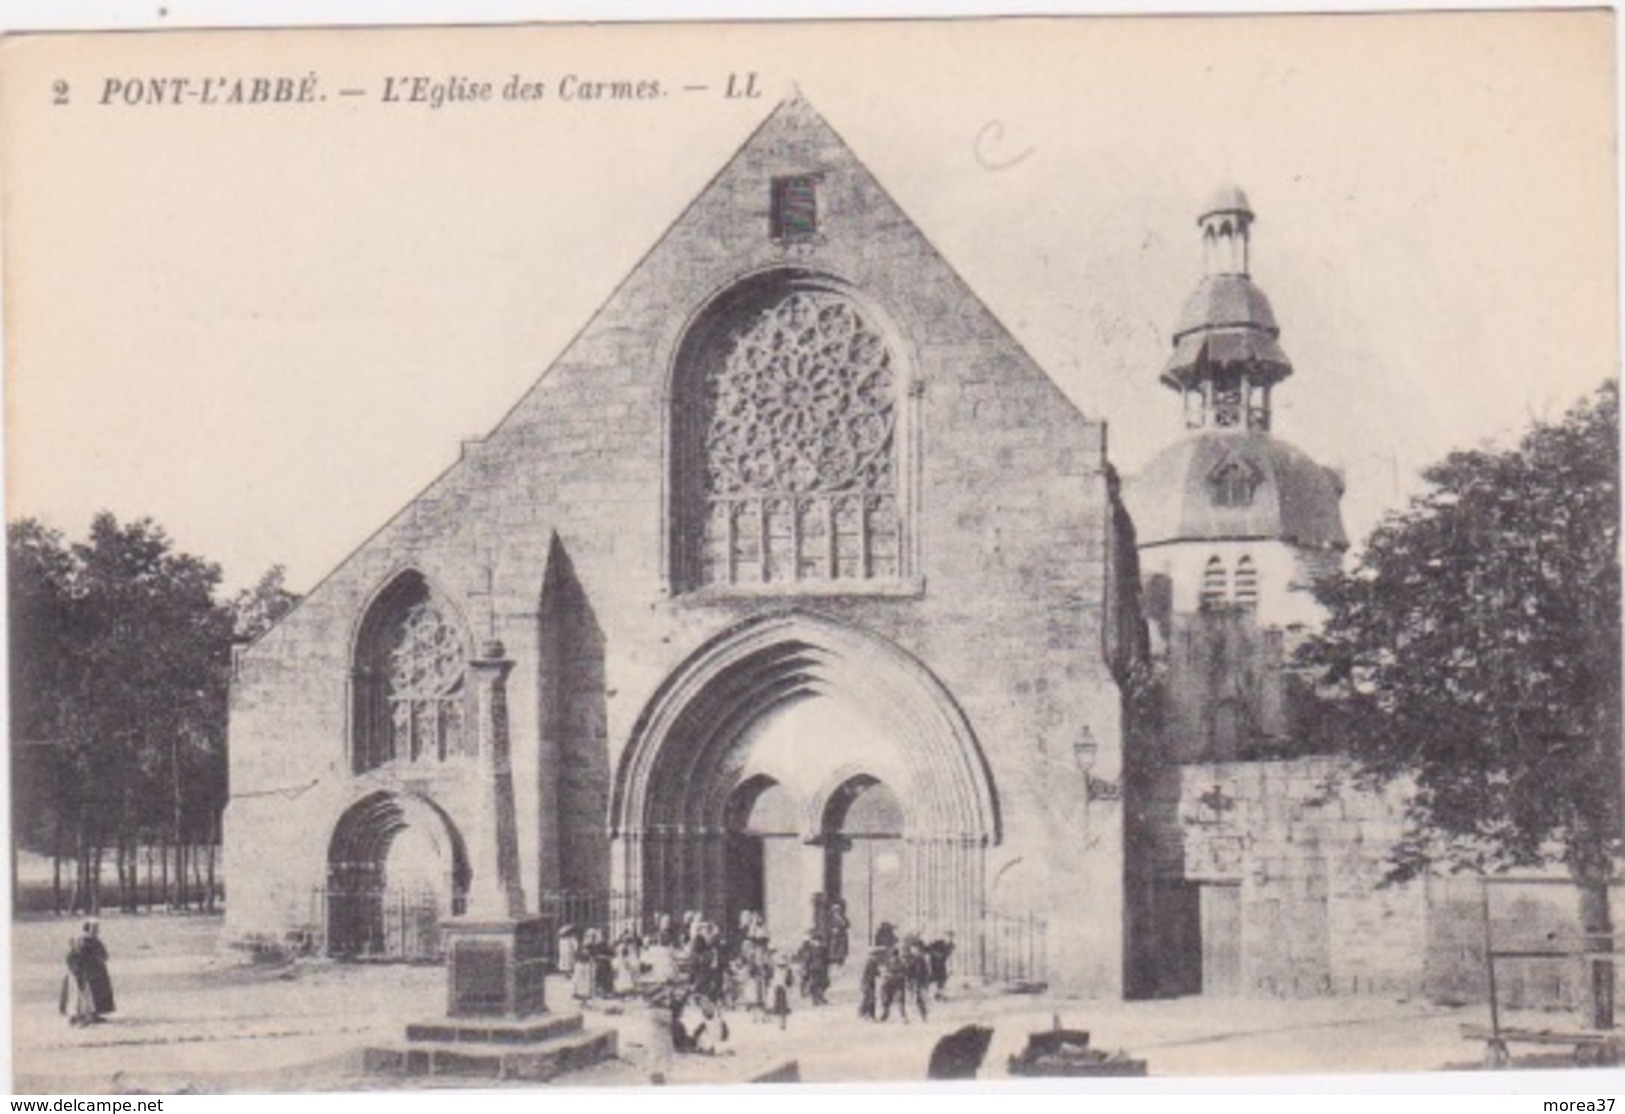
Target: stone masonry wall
column 1305, row 847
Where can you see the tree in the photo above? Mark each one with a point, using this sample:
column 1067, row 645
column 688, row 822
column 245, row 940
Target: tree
column 258, row 609
column 39, row 574
column 1475, row 650
column 121, row 657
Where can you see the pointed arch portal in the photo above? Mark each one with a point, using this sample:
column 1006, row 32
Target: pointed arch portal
column 794, row 760
column 396, row 867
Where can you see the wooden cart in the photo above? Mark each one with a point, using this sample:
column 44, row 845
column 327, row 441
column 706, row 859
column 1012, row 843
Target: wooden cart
column 1591, row 1047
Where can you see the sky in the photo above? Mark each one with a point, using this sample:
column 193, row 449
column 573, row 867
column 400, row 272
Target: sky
column 268, row 327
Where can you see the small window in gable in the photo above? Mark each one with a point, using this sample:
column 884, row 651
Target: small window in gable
column 1233, row 484
column 1215, row 583
column 795, row 207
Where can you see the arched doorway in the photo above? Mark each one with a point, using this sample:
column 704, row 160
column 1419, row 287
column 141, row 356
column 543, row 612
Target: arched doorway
column 764, row 840
column 863, row 862
column 396, row 868
column 800, row 716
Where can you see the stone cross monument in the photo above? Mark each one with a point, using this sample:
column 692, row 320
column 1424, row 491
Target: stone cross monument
column 496, row 956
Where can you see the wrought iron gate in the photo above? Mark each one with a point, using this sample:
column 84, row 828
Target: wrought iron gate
column 1015, row 948
column 398, row 923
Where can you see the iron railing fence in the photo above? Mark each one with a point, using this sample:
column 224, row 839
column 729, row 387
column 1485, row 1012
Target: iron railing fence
column 1015, row 948
column 380, row 923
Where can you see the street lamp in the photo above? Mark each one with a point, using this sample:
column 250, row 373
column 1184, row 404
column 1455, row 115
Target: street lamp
column 1086, row 750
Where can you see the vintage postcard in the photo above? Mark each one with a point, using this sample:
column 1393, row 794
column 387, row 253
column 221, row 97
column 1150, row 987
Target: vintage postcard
column 994, row 549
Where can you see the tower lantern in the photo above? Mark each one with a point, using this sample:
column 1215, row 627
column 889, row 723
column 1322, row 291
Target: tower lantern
column 1226, row 357
column 1226, row 231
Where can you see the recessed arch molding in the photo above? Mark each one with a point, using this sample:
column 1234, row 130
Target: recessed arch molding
column 670, row 804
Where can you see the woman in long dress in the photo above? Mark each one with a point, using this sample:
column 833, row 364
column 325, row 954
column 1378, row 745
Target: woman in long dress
column 627, row 966
column 92, row 984
column 569, row 942
column 659, row 963
column 840, row 934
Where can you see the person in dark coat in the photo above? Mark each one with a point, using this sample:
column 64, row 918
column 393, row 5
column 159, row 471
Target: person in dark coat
column 705, row 970
column 813, row 959
column 886, row 935
column 92, row 984
column 939, row 951
column 603, row 967
column 894, row 984
column 869, row 982
column 917, row 974
column 840, row 934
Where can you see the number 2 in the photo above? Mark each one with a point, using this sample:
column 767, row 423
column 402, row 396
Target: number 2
column 59, row 92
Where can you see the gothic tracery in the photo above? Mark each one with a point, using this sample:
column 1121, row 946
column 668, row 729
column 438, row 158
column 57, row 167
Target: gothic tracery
column 800, row 428
column 410, row 682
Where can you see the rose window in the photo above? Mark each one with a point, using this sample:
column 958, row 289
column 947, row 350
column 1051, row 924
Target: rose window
column 799, row 439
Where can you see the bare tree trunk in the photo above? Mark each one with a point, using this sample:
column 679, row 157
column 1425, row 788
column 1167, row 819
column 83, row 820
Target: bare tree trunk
column 56, row 867
column 96, row 879
column 214, row 845
column 180, row 842
column 81, row 870
column 1596, row 923
column 1591, row 867
column 197, row 879
column 132, row 868
column 120, row 866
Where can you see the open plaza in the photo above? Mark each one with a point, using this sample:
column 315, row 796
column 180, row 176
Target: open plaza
column 194, row 1018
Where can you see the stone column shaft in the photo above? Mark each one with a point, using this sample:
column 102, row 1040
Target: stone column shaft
column 495, row 892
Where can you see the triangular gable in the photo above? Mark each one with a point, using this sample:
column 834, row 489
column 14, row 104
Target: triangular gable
column 724, row 233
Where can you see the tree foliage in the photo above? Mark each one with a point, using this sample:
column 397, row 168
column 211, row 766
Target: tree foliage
column 1475, row 650
column 256, row 610
column 120, row 661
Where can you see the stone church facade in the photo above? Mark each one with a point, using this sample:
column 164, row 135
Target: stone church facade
column 795, row 580
column 812, row 585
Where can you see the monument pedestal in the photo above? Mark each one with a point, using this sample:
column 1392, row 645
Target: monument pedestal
column 497, row 1025
column 496, row 968
column 535, row 1051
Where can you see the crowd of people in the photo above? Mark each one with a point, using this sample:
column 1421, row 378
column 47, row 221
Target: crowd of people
column 702, row 972
column 900, row 970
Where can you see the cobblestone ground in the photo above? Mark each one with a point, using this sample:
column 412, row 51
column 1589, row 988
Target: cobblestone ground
column 191, row 1018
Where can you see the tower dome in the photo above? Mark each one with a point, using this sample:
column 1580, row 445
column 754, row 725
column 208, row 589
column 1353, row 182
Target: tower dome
column 1215, row 486
column 1226, row 199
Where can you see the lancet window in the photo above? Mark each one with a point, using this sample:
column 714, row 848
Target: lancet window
column 1246, row 583
column 1215, row 583
column 1233, row 484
